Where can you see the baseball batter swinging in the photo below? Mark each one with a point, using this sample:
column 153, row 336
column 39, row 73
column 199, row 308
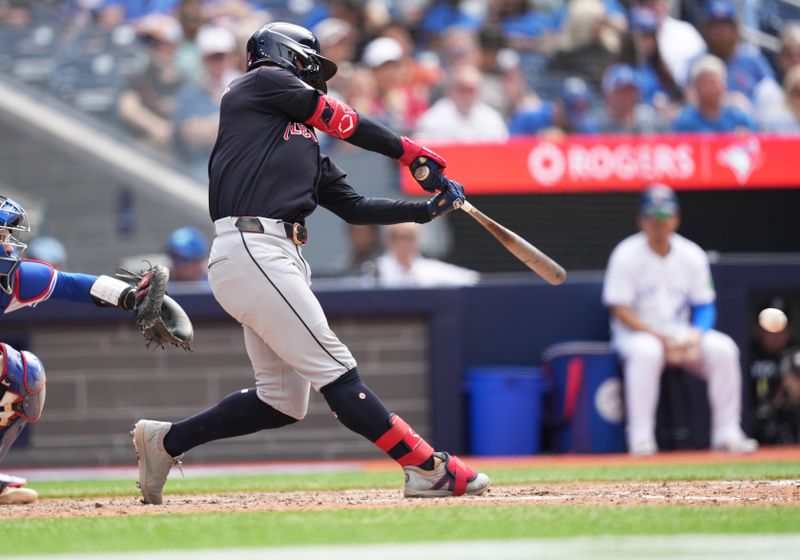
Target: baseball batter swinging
column 266, row 176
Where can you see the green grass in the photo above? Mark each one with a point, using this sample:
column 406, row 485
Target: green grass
column 126, row 533
column 336, row 481
column 234, row 530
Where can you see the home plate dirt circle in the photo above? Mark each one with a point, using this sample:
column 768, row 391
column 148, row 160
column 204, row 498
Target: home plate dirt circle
column 696, row 493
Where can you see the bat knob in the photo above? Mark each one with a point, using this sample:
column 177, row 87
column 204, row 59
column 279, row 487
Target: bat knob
column 422, row 172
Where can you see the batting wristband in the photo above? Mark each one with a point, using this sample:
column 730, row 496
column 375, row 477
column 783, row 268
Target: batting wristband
column 412, row 150
column 400, row 431
column 334, row 117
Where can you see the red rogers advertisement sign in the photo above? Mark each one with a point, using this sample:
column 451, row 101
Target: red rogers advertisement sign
column 622, row 163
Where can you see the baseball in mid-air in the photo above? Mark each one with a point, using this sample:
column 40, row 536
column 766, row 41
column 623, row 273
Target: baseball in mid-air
column 772, row 320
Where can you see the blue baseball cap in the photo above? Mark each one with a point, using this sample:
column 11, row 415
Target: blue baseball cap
column 720, row 10
column 658, row 201
column 575, row 90
column 48, row 249
column 617, row 76
column 643, row 19
column 188, row 243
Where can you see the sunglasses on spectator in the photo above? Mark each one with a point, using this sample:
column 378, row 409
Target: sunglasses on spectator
column 153, row 41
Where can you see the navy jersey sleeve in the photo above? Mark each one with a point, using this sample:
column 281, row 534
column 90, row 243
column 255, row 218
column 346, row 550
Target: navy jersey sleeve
column 338, row 196
column 279, row 91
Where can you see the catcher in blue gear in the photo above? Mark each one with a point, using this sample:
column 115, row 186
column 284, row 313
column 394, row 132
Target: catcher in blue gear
column 27, row 283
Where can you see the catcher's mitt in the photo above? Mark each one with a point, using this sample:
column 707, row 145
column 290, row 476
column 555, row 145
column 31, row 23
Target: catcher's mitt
column 159, row 317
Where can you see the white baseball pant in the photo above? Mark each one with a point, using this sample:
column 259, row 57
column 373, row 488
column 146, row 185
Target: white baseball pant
column 643, row 358
column 263, row 281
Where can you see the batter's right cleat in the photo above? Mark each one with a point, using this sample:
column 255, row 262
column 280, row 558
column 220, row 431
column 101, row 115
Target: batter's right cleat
column 154, row 462
column 450, row 476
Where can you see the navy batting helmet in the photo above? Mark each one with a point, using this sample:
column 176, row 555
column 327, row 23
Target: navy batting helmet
column 294, row 48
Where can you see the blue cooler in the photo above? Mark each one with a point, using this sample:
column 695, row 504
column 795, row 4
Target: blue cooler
column 585, row 412
column 505, row 404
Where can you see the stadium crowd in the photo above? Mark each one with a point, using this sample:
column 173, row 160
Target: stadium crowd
column 440, row 70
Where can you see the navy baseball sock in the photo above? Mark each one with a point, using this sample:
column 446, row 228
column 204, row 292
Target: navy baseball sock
column 361, row 411
column 238, row 414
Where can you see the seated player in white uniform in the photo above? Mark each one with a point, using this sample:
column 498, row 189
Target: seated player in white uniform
column 660, row 294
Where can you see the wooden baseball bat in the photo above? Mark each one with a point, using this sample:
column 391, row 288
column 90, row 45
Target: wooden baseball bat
column 529, row 255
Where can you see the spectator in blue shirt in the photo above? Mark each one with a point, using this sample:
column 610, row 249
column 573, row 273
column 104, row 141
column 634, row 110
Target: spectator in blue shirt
column 570, row 112
column 710, row 113
column 441, row 15
column 525, row 27
column 748, row 71
column 135, row 9
column 624, row 112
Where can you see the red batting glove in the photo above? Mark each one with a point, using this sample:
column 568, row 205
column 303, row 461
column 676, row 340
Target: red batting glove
column 412, row 151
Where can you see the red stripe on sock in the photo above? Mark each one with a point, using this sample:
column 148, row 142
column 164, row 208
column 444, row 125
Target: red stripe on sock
column 400, row 431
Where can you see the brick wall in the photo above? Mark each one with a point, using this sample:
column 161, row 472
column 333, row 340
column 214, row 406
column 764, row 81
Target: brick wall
column 100, row 380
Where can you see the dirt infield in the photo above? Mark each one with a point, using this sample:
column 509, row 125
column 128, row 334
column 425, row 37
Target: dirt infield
column 708, row 493
column 700, row 493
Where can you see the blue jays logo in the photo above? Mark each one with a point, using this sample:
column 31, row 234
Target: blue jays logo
column 742, row 158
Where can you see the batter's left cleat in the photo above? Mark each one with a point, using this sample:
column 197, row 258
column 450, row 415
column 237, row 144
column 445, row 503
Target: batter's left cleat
column 15, row 495
column 450, row 476
column 154, row 462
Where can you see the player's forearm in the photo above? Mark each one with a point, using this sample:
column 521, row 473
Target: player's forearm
column 363, row 210
column 343, row 122
column 87, row 288
column 72, row 286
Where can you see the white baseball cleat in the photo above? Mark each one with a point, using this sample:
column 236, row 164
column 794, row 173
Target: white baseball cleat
column 11, row 495
column 154, row 462
column 643, row 448
column 450, row 476
column 735, row 441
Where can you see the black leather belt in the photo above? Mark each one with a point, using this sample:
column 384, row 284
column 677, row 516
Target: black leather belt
column 296, row 232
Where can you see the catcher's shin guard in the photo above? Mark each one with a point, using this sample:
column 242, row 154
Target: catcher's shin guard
column 22, row 393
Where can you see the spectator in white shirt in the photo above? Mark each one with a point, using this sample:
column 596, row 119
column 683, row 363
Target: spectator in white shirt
column 461, row 116
column 403, row 266
column 678, row 40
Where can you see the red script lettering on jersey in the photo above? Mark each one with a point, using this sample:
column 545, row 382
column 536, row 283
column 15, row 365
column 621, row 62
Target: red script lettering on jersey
column 298, row 129
column 334, row 117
